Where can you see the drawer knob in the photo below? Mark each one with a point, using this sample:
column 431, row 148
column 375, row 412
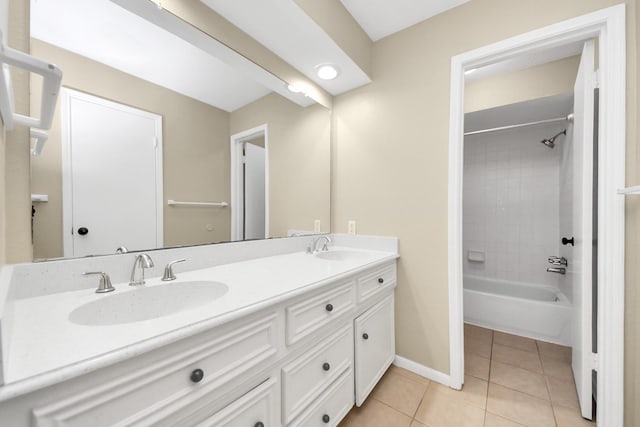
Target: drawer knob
column 197, row 375
column 259, row 424
column 326, row 366
column 365, row 336
column 329, row 307
column 380, row 280
column 326, row 418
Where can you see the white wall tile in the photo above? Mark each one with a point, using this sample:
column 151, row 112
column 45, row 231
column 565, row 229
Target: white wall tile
column 511, row 204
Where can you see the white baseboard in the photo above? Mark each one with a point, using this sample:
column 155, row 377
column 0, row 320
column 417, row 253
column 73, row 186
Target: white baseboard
column 422, row 370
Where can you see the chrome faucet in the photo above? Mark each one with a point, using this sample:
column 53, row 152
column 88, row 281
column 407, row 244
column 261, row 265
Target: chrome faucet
column 122, row 250
column 314, row 245
column 559, row 270
column 144, row 261
column 168, row 270
column 105, row 282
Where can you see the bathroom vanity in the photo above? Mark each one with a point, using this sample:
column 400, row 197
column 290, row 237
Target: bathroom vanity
column 286, row 339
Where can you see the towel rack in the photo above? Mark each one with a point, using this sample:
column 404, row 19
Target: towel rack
column 175, row 203
column 51, row 80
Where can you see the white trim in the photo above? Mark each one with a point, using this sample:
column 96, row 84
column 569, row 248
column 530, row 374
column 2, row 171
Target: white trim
column 422, row 370
column 236, row 195
column 67, row 183
column 608, row 25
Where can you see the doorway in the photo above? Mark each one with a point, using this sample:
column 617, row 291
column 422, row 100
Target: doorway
column 607, row 26
column 112, row 156
column 249, row 184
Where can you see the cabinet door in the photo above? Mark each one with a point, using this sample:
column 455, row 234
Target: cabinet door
column 259, row 407
column 374, row 346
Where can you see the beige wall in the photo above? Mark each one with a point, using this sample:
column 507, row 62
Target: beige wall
column 392, row 145
column 195, row 152
column 553, row 78
column 18, row 198
column 632, row 258
column 299, row 160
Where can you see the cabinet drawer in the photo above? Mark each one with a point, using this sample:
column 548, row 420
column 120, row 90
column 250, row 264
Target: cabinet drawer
column 374, row 346
column 149, row 394
column 313, row 313
column 260, row 405
column 307, row 376
column 332, row 406
column 375, row 282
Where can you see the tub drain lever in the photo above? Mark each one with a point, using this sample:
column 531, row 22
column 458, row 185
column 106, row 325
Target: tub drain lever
column 558, row 270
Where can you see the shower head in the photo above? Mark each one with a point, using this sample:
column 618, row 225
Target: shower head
column 551, row 142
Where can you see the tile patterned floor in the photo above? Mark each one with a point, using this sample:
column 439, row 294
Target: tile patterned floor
column 510, row 381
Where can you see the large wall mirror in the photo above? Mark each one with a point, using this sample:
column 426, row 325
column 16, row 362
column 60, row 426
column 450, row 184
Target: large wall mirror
column 158, row 141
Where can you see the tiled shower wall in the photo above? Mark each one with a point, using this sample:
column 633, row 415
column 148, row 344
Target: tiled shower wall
column 511, row 203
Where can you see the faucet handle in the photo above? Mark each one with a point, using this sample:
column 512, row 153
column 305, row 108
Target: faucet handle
column 168, row 270
column 105, row 282
column 556, row 260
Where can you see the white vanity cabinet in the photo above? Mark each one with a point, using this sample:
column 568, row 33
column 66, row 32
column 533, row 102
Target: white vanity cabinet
column 374, row 346
column 300, row 361
column 257, row 408
column 178, row 382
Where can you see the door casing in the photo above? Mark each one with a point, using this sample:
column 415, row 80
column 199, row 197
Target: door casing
column 236, row 178
column 608, row 27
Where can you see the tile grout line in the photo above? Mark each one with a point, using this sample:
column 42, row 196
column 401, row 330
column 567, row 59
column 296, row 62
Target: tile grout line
column 420, row 404
column 486, row 402
column 546, row 383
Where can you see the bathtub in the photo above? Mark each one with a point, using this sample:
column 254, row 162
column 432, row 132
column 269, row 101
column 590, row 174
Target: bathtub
column 536, row 311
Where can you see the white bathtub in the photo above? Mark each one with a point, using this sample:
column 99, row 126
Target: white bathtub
column 536, row 311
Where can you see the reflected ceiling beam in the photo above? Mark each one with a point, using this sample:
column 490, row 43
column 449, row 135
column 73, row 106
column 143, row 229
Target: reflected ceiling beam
column 341, row 26
column 303, row 35
column 210, row 22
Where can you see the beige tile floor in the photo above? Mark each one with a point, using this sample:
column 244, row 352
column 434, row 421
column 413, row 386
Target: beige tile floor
column 510, row 381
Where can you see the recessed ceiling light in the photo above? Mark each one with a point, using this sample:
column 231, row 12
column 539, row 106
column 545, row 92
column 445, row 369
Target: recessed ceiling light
column 293, row 88
column 327, row 71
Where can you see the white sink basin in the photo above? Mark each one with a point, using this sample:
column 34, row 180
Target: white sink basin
column 146, row 303
column 341, row 255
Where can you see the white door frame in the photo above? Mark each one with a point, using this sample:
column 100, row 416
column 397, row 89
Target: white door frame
column 67, row 183
column 608, row 26
column 236, row 172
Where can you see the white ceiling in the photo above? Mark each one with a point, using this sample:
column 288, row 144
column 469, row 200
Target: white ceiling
column 380, row 18
column 285, row 29
column 107, row 33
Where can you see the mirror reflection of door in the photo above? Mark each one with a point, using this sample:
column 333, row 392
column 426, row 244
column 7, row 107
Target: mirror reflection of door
column 112, row 184
column 253, row 189
column 249, row 185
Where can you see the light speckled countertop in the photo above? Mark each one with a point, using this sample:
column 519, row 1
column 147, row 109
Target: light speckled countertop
column 46, row 347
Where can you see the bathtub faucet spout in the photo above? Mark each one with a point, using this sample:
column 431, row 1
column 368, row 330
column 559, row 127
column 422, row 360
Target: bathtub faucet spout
column 559, row 270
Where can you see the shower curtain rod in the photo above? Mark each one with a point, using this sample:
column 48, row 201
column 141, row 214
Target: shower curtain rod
column 539, row 122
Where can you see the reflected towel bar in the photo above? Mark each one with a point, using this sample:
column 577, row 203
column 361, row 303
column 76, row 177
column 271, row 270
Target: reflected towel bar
column 175, row 203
